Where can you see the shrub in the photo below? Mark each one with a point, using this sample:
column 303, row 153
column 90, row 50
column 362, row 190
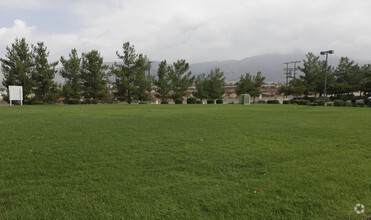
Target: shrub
column 302, row 102
column 339, row 102
column 198, row 102
column 210, row 101
column 178, row 101
column 191, row 100
column 330, row 104
column 143, row 102
column 286, row 102
column 261, row 102
column 90, row 101
column 164, row 102
column 273, row 101
column 36, row 103
column 73, row 101
column 219, row 101
column 320, row 102
column 354, row 105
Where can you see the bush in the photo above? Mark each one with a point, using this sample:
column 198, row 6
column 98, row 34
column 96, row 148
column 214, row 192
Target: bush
column 219, row 101
column 36, row 103
column 261, row 102
column 73, row 101
column 302, row 102
column 143, row 102
column 210, row 101
column 339, row 102
column 178, row 101
column 286, row 102
column 191, row 100
column 273, row 101
column 164, row 102
column 320, row 102
column 330, row 104
column 198, row 102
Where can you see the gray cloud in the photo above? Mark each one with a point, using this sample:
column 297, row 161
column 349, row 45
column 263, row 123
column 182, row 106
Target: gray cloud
column 204, row 30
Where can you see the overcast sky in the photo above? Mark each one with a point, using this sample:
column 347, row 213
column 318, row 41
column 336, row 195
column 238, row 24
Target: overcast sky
column 195, row 30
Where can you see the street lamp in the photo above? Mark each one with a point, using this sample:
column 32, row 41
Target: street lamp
column 326, row 53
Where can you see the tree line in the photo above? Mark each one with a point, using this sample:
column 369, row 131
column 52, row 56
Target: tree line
column 87, row 77
column 343, row 80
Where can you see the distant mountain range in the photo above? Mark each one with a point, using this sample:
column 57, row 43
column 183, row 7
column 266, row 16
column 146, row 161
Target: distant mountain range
column 271, row 65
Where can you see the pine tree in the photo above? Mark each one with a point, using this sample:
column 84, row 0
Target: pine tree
column 215, row 82
column 94, row 77
column 17, row 67
column 71, row 72
column 163, row 82
column 181, row 79
column 131, row 79
column 43, row 75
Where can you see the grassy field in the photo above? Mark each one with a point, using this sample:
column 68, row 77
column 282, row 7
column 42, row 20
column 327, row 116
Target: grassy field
column 184, row 161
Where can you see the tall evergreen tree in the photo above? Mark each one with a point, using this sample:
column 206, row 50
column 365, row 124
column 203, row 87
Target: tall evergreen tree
column 215, row 82
column 245, row 85
column 365, row 83
column 258, row 81
column 163, row 81
column 250, row 85
column 312, row 71
column 17, row 67
column 43, row 74
column 210, row 86
column 143, row 80
column 131, row 79
column 71, row 72
column 348, row 76
column 201, row 86
column 94, row 76
column 181, row 79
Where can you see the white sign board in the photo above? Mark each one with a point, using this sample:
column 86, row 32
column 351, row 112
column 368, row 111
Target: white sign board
column 15, row 93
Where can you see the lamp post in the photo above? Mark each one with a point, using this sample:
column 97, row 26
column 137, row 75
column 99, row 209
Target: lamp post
column 326, row 53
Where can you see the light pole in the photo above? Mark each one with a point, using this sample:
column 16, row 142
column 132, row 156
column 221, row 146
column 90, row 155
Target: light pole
column 326, row 53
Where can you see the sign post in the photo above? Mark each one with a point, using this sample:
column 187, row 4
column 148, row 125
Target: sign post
column 15, row 93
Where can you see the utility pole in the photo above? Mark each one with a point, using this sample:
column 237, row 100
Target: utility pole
column 290, row 72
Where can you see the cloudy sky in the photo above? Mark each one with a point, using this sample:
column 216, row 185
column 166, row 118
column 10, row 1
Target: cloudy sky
column 196, row 30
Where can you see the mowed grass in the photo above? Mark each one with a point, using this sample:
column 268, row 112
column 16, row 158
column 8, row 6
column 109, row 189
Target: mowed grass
column 184, row 162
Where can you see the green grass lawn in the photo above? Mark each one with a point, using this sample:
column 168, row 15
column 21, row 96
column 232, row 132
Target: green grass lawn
column 184, row 161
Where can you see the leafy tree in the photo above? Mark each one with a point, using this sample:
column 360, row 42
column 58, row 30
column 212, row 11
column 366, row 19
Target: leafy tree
column 94, row 76
column 43, row 74
column 131, row 79
column 17, row 67
column 72, row 73
column 163, row 81
column 181, row 79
